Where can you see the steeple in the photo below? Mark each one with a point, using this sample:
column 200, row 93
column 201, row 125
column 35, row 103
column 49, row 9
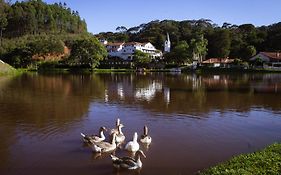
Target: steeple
column 167, row 47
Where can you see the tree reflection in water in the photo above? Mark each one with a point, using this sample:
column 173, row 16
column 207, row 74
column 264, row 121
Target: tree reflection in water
column 38, row 111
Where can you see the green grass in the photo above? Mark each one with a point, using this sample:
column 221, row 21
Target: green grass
column 264, row 162
column 6, row 69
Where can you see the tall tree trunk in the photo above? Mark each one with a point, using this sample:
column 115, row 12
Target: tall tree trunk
column 1, row 33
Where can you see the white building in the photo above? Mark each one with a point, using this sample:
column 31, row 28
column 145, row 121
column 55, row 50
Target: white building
column 127, row 50
column 269, row 59
column 167, row 46
column 103, row 41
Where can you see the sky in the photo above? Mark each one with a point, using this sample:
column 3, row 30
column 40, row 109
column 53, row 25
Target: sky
column 106, row 15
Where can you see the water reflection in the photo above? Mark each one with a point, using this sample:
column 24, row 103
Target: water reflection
column 52, row 94
column 193, row 93
column 41, row 117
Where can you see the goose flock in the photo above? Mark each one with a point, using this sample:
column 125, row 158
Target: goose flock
column 99, row 145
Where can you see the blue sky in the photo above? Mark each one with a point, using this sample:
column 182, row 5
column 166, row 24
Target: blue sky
column 106, row 15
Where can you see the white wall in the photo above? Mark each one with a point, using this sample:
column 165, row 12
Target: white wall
column 126, row 51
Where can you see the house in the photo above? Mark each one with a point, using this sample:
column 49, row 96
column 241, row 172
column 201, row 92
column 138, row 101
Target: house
column 126, row 51
column 114, row 49
column 218, row 62
column 103, row 41
column 268, row 59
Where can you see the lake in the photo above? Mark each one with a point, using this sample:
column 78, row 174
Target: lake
column 195, row 121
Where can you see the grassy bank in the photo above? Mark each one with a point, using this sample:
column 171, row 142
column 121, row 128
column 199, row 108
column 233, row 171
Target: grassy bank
column 6, row 69
column 235, row 70
column 264, row 162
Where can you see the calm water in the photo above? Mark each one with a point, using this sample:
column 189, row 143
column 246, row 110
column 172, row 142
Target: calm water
column 195, row 121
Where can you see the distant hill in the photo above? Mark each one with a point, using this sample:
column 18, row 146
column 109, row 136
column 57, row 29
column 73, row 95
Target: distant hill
column 34, row 31
column 38, row 17
column 229, row 40
column 6, row 68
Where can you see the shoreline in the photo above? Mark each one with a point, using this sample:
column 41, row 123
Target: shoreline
column 265, row 161
column 183, row 70
column 13, row 71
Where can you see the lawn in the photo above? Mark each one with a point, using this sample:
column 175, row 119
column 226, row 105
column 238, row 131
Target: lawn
column 264, row 162
column 6, row 69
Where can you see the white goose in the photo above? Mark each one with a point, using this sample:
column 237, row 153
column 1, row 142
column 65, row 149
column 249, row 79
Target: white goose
column 103, row 147
column 120, row 137
column 118, row 122
column 128, row 162
column 133, row 146
column 145, row 138
column 95, row 138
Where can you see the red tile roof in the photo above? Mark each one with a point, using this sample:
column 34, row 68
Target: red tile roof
column 114, row 44
column 132, row 43
column 272, row 55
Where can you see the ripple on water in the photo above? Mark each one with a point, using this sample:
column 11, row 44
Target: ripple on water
column 49, row 131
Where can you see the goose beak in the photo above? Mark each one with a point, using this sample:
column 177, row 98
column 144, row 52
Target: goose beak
column 144, row 155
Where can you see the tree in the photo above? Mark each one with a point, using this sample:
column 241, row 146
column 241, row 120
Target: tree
column 198, row 47
column 274, row 37
column 220, row 44
column 19, row 57
column 180, row 54
column 141, row 59
column 3, row 22
column 121, row 29
column 226, row 25
column 87, row 52
column 247, row 52
column 38, row 17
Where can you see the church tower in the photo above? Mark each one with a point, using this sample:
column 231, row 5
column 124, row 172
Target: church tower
column 167, row 47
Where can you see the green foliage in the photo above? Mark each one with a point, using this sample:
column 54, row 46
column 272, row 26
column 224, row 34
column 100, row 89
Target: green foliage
column 3, row 20
column 220, row 43
column 267, row 161
column 87, row 53
column 46, row 45
column 228, row 40
column 40, row 45
column 273, row 37
column 37, row 17
column 141, row 58
column 19, row 57
column 258, row 62
column 198, row 45
column 180, row 54
column 248, row 52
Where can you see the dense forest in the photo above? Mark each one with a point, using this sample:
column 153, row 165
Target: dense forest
column 36, row 17
column 34, row 32
column 228, row 40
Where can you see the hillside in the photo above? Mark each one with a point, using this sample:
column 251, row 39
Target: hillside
column 228, row 40
column 5, row 68
column 33, row 32
column 38, row 17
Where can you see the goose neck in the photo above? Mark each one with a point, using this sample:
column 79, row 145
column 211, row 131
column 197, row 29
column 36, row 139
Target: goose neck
column 135, row 138
column 145, row 130
column 120, row 130
column 139, row 163
column 102, row 135
column 113, row 139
